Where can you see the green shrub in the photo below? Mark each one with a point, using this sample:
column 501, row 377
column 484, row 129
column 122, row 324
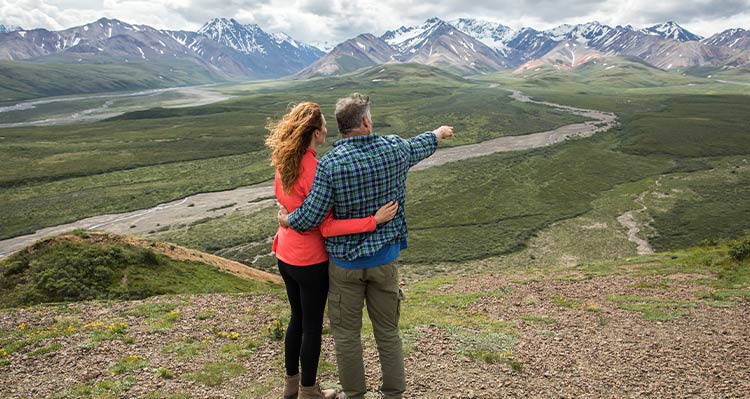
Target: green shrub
column 740, row 249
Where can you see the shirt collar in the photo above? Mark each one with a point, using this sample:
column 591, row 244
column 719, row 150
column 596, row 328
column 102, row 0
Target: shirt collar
column 312, row 151
column 357, row 140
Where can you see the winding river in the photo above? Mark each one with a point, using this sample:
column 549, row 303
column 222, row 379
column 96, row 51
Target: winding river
column 189, row 209
column 197, row 94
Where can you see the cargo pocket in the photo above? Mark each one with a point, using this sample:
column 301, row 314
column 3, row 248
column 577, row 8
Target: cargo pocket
column 334, row 308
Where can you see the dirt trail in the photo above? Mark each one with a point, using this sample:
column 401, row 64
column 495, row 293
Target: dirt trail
column 194, row 207
column 628, row 221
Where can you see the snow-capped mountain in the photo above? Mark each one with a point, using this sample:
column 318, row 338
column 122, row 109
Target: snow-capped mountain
column 407, row 38
column 494, row 35
column 476, row 45
column 581, row 33
column 435, row 42
column 251, row 39
column 225, row 47
column 264, row 53
column 362, row 51
column 673, row 31
column 441, row 44
column 9, row 28
column 220, row 46
column 732, row 38
column 108, row 38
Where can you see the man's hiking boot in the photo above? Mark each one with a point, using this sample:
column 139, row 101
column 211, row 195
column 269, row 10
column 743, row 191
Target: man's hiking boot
column 314, row 392
column 291, row 386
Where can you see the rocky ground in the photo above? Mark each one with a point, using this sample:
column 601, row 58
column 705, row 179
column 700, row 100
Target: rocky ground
column 569, row 335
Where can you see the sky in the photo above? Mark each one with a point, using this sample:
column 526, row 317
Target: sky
column 333, row 21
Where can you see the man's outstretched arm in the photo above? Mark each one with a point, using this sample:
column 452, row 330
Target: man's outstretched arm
column 425, row 144
column 316, row 206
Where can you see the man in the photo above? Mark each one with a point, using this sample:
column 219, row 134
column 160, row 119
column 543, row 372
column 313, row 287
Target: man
column 362, row 172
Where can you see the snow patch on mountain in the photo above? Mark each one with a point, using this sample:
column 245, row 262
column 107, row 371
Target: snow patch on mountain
column 9, row 28
column 671, row 30
column 491, row 34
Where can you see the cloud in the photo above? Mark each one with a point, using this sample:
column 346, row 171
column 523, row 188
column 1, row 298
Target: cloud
column 337, row 20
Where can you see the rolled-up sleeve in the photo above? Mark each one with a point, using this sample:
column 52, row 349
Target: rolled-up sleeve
column 317, row 204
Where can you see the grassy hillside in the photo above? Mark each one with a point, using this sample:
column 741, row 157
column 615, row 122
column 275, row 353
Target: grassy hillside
column 145, row 158
column 82, row 266
column 27, row 80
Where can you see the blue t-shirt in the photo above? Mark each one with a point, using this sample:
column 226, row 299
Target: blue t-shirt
column 384, row 255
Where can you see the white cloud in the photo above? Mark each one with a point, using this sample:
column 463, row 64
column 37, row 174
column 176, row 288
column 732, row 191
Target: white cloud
column 337, row 20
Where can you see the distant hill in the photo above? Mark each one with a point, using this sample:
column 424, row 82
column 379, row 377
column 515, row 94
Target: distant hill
column 21, row 80
column 86, row 265
column 624, row 72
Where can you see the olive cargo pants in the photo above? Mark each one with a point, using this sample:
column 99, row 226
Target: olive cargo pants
column 349, row 291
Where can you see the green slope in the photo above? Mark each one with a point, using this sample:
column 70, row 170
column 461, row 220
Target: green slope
column 85, row 267
column 21, row 80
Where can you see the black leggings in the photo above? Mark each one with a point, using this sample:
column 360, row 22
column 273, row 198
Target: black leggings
column 307, row 289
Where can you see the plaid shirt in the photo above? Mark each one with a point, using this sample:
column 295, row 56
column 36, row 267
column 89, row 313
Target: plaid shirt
column 358, row 176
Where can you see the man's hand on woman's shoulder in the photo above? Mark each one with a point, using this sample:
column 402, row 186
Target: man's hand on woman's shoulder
column 444, row 132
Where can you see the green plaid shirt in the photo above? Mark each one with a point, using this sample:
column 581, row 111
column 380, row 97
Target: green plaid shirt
column 358, row 176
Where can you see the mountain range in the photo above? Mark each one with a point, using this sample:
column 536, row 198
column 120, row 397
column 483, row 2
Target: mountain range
column 223, row 47
column 226, row 49
column 475, row 46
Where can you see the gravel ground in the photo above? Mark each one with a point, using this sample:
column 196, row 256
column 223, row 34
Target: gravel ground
column 591, row 349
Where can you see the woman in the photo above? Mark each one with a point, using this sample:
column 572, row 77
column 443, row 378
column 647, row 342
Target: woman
column 302, row 257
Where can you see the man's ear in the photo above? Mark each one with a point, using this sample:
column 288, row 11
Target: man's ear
column 365, row 123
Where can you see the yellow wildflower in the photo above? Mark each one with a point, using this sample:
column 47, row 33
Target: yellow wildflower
column 3, row 352
column 123, row 324
column 94, row 324
column 133, row 357
column 235, row 335
column 22, row 326
column 70, row 329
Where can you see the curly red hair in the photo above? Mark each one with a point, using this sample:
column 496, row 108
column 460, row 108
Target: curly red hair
column 289, row 139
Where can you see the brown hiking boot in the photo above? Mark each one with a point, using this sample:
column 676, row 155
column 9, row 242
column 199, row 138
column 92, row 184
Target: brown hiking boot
column 314, row 392
column 291, row 386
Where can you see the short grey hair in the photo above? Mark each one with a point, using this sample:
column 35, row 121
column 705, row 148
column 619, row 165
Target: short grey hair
column 350, row 111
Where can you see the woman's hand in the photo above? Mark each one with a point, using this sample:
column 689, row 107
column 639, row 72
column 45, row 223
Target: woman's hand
column 282, row 216
column 386, row 212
